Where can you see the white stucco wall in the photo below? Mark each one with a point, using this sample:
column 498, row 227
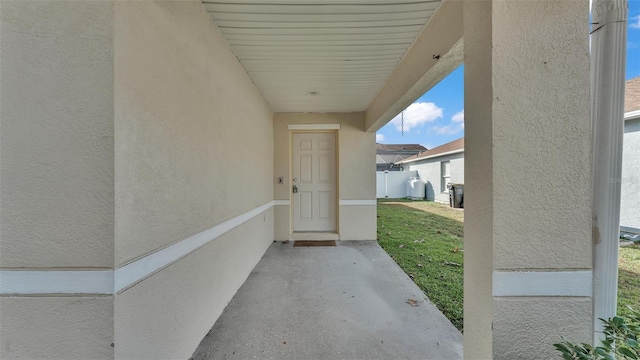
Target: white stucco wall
column 56, row 327
column 430, row 172
column 167, row 315
column 57, row 134
column 543, row 45
column 127, row 127
column 630, row 187
column 356, row 171
column 535, row 133
column 186, row 115
column 193, row 148
column 56, row 172
column 516, row 172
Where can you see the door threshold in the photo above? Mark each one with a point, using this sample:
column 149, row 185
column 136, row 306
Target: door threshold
column 314, row 236
column 313, row 243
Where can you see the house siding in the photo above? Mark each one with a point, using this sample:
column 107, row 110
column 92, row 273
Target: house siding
column 430, row 172
column 630, row 189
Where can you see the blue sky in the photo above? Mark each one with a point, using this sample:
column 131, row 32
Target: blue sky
column 437, row 117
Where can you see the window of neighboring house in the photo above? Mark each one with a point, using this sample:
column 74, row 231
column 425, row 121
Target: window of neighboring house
column 445, row 168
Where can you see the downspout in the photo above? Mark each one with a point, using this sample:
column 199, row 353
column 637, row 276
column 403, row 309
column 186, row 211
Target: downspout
column 608, row 54
column 386, row 190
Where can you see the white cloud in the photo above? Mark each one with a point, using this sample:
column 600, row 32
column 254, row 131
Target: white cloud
column 379, row 138
column 634, row 22
column 455, row 126
column 458, row 117
column 416, row 115
column 448, row 129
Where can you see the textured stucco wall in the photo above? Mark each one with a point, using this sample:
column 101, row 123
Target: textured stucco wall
column 358, row 222
column 70, row 328
column 519, row 321
column 56, row 145
column 193, row 148
column 193, row 134
column 630, row 189
column 56, row 172
column 126, row 127
column 527, row 176
column 542, row 154
column 167, row 315
column 356, row 170
column 430, row 172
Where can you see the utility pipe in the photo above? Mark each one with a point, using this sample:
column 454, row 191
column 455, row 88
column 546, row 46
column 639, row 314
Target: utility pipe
column 386, row 191
column 608, row 55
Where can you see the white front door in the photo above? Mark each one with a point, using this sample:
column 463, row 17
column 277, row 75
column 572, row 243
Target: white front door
column 314, row 182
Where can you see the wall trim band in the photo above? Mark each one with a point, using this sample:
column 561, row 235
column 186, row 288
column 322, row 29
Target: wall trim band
column 357, row 202
column 342, row 202
column 138, row 270
column 542, row 283
column 17, row 282
column 28, row 282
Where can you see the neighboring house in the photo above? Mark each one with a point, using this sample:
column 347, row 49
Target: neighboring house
column 387, row 155
column 445, row 163
column 438, row 167
column 630, row 191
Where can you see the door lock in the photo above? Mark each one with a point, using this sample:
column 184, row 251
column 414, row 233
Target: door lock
column 295, row 189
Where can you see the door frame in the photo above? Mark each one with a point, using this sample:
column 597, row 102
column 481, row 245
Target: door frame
column 315, row 128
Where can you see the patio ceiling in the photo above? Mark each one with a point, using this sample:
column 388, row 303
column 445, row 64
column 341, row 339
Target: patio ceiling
column 320, row 55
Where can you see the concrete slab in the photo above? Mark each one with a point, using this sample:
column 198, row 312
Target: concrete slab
column 343, row 302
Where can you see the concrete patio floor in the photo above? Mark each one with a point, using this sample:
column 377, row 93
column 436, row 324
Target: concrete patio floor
column 342, row 302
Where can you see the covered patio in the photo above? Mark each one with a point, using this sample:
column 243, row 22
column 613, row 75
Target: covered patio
column 350, row 301
column 152, row 151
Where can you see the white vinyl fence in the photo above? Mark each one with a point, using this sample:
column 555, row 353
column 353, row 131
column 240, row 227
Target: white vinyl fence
column 393, row 184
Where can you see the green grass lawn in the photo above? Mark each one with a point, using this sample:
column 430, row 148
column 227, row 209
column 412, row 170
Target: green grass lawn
column 629, row 279
column 426, row 240
column 428, row 247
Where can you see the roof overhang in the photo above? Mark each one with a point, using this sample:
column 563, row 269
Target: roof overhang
column 372, row 56
column 632, row 115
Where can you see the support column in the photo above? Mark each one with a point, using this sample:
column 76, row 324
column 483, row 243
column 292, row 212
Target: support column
column 478, row 224
column 528, row 249
column 608, row 53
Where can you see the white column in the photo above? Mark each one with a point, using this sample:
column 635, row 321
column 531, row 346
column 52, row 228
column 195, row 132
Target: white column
column 608, row 53
column 478, row 177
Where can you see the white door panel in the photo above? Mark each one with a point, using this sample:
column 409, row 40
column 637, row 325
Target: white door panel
column 306, row 172
column 314, row 176
column 306, row 205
